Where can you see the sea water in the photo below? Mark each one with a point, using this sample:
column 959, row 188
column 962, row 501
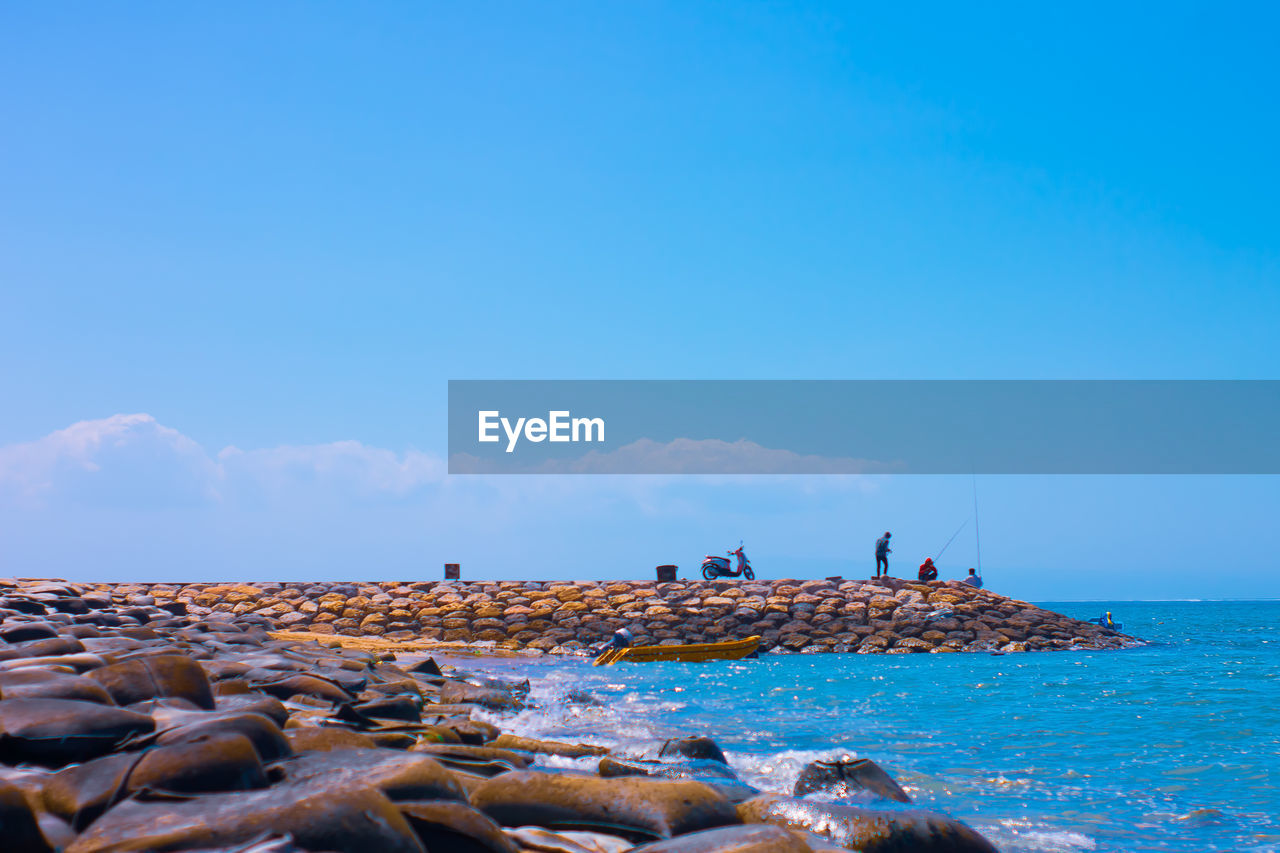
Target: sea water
column 1170, row 747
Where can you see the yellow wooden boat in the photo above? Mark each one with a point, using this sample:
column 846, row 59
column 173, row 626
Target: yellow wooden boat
column 728, row 650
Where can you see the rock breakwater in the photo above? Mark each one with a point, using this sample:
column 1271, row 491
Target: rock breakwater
column 888, row 616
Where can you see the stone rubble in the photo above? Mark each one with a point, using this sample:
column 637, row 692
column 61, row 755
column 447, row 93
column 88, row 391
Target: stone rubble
column 887, row 615
column 173, row 718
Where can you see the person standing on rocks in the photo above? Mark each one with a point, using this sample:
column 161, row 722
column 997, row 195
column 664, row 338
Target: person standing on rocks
column 882, row 553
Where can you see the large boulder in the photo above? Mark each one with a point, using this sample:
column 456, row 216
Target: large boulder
column 156, row 677
column 849, row 778
column 228, row 762
column 456, row 827
column 340, row 816
column 756, row 838
column 710, row 772
column 54, row 732
column 462, row 693
column 535, row 839
column 548, row 747
column 18, row 827
column 640, row 808
column 327, row 739
column 46, row 647
column 262, row 732
column 699, row 746
column 867, row 830
column 399, row 775
column 306, row 685
column 51, row 684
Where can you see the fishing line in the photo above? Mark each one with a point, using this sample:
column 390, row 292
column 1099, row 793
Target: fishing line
column 952, row 539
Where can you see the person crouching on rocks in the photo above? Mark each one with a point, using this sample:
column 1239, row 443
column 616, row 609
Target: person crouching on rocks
column 928, row 571
column 622, row 639
column 882, row 553
column 974, row 579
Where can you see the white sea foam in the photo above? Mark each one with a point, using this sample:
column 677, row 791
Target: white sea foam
column 776, row 772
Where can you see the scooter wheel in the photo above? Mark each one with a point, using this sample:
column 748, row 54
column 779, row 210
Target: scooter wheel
column 709, row 573
column 749, row 575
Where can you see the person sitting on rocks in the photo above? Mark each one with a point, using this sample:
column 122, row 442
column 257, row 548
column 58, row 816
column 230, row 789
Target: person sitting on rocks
column 928, row 571
column 974, row 579
column 621, row 639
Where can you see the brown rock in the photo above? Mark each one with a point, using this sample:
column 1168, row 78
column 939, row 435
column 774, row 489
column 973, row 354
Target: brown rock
column 156, row 677
column 640, row 808
column 344, row 818
column 548, row 747
column 867, row 830
column 54, row 732
column 755, row 838
column 18, row 823
column 455, row 827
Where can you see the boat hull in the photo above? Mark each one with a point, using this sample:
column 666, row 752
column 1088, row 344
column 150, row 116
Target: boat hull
column 692, row 653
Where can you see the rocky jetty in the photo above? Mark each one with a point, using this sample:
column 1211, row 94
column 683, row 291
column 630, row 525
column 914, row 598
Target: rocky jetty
column 128, row 723
column 835, row 615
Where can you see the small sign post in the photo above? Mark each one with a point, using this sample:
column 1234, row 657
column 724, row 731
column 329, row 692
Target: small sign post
column 452, row 571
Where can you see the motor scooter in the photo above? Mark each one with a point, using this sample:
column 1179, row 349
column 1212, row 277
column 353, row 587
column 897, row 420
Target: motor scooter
column 718, row 567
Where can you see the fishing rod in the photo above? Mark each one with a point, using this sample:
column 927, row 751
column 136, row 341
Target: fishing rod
column 977, row 532
column 952, row 539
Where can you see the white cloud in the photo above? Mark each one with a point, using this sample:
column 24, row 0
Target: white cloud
column 684, row 456
column 347, row 467
column 123, row 460
column 131, row 460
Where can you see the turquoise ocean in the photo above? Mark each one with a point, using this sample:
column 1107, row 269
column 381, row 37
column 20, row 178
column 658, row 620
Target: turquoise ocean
column 1173, row 746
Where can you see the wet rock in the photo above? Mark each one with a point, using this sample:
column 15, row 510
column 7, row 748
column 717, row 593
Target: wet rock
column 757, row 838
column 481, row 760
column 54, row 732
column 847, row 778
column 474, row 732
column 694, row 747
column 427, row 666
column 18, row 826
column 537, row 840
column 399, row 775
column 719, row 777
column 21, row 632
column 306, row 685
column 48, row 647
column 227, row 762
column 461, row 693
column 639, row 808
column 408, row 708
column 345, row 817
column 75, row 663
column 327, row 739
column 455, row 827
column 156, row 677
column 867, row 830
column 261, row 731
column 548, row 747
column 48, row 684
column 255, row 703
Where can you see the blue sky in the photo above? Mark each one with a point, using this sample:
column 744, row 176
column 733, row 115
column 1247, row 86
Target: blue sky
column 278, row 228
